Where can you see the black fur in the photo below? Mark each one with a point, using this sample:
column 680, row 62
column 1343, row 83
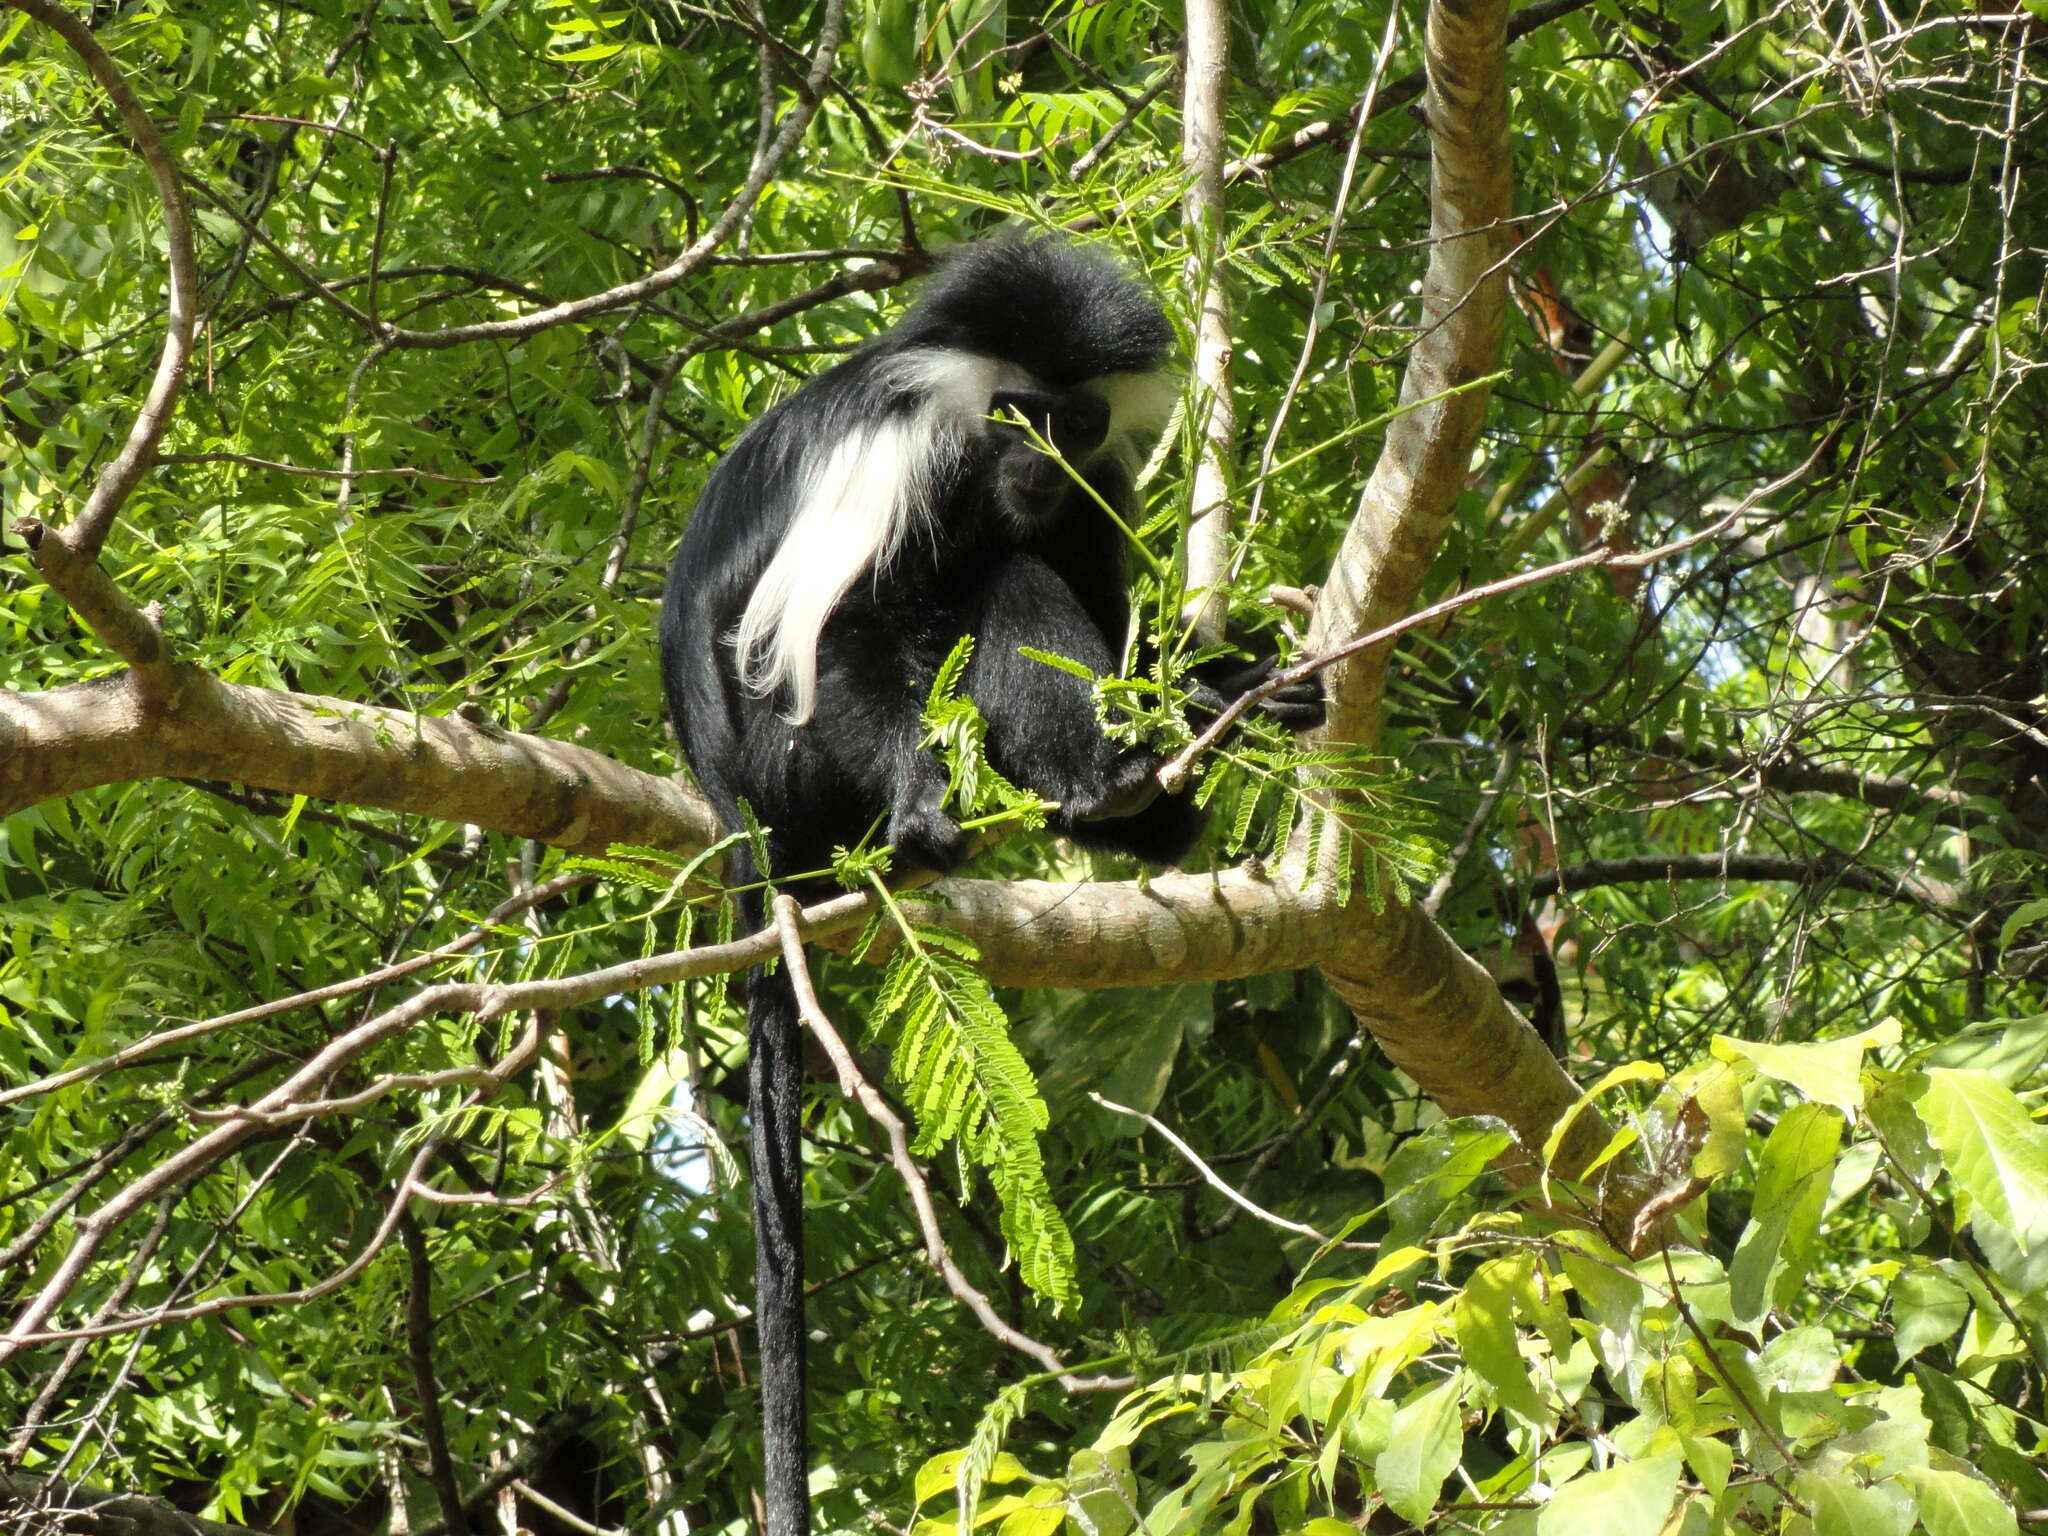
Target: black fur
column 1004, row 547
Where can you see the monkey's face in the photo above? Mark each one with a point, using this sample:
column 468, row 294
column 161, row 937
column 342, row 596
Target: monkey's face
column 1031, row 484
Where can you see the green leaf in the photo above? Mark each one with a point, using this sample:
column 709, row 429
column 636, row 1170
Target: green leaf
column 1825, row 1071
column 1633, row 1499
column 1487, row 1339
column 1055, row 660
column 1842, row 1506
column 1431, row 1170
column 2011, row 1050
column 1102, row 1495
column 1927, row 1308
column 1422, row 1450
column 1956, row 1504
column 1994, row 1151
column 1776, row 1248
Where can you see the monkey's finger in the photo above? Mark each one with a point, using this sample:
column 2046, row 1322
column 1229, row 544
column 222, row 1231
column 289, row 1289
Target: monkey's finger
column 1298, row 706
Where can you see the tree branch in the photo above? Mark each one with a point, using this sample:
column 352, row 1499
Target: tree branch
column 1421, row 470
column 87, row 532
column 1205, row 82
column 110, row 731
column 1821, row 869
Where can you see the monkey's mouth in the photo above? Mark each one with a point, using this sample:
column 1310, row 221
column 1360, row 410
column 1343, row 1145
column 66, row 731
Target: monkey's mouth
column 1034, row 492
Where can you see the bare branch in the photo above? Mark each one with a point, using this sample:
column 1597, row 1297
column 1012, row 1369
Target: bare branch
column 419, row 1350
column 109, row 731
column 1427, row 451
column 132, row 633
column 1209, row 1175
column 1204, row 88
column 1175, row 773
column 1824, row 869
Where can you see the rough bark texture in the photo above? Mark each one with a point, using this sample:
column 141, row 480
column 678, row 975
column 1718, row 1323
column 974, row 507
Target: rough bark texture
column 108, row 732
column 1433, row 1009
column 1427, row 452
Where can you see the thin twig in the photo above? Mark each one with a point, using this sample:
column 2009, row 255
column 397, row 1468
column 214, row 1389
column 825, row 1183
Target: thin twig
column 1175, row 773
column 149, row 1045
column 392, row 471
column 857, row 1087
column 1088, row 160
column 1209, row 1175
column 1326, row 1092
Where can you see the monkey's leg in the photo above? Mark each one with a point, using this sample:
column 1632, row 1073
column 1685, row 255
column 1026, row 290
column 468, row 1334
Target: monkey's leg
column 1043, row 732
column 874, row 673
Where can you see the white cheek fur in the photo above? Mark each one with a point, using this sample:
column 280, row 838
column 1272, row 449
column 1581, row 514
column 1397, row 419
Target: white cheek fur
column 861, row 497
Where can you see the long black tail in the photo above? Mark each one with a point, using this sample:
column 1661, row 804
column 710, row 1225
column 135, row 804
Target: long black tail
column 775, row 1082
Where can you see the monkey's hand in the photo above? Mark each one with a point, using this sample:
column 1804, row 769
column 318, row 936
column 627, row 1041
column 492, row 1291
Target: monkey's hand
column 926, row 836
column 1133, row 787
column 1220, row 683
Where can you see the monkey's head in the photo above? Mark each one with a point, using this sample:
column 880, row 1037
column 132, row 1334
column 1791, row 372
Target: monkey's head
column 1062, row 313
column 1029, row 484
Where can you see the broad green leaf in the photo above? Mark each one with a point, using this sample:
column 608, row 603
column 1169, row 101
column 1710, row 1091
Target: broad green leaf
column 1842, row 1506
column 1956, row 1504
column 1615, row 1077
column 1633, row 1499
column 1487, row 1339
column 1711, row 1461
column 1422, row 1448
column 2011, row 1050
column 1927, row 1308
column 1102, row 1496
column 1776, row 1248
column 1433, row 1169
column 1824, row 1071
column 1993, row 1149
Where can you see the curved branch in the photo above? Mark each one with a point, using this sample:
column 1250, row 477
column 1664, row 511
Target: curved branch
column 1422, row 465
column 87, row 532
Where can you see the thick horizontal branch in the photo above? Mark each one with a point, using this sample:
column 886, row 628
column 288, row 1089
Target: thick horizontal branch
column 441, row 766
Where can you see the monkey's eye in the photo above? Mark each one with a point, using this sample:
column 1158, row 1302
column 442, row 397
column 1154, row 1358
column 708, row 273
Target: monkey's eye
column 1080, row 422
column 1073, row 422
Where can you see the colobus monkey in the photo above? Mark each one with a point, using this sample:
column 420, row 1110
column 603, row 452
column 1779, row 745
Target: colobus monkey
column 837, row 554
